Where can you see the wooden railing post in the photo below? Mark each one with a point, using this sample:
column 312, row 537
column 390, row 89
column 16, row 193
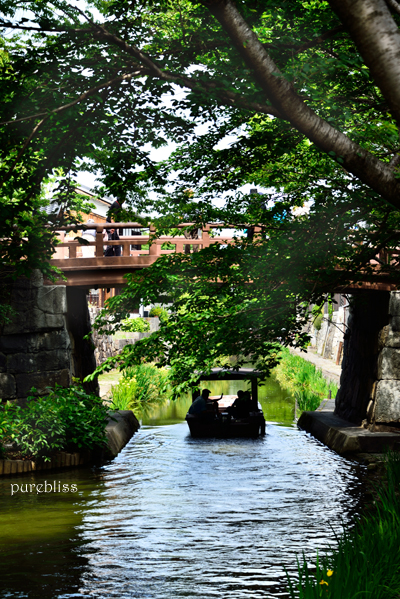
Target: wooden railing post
column 206, row 236
column 72, row 249
column 155, row 248
column 99, row 242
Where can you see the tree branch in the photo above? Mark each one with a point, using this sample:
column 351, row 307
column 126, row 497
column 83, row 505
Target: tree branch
column 22, row 150
column 225, row 97
column 393, row 5
column 9, row 25
column 81, row 98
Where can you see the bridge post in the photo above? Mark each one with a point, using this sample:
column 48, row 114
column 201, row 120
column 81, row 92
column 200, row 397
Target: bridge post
column 99, row 242
column 78, row 321
column 206, row 236
column 155, row 248
column 362, row 346
column 72, row 250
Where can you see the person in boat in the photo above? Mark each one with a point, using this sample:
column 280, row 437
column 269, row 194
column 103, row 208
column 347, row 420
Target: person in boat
column 202, row 403
column 242, row 405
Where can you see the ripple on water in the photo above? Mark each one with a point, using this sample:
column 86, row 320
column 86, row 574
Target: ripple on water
column 181, row 517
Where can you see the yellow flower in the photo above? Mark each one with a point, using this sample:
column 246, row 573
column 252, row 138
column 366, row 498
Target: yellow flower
column 323, row 582
column 329, row 573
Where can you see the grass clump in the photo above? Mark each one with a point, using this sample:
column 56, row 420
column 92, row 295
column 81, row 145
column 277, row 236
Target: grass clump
column 303, row 380
column 140, row 389
column 66, row 419
column 366, row 563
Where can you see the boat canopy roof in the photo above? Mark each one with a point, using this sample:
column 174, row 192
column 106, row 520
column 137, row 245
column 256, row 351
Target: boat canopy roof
column 221, row 374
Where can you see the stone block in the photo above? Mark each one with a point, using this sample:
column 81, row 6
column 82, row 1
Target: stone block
column 383, row 337
column 34, row 342
column 52, row 299
column 23, row 298
column 53, row 340
column 387, row 401
column 13, row 344
column 389, row 364
column 8, row 386
column 34, row 281
column 34, row 321
column 53, row 360
column 394, row 303
column 393, row 339
column 22, row 363
column 394, row 323
column 41, row 380
column 3, row 362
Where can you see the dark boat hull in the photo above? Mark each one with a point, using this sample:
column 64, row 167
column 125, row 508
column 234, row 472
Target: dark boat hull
column 226, row 427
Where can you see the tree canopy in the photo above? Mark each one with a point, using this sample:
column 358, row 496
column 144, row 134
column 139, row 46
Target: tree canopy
column 308, row 94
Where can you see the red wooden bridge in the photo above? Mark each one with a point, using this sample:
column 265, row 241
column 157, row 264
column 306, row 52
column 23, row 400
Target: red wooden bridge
column 86, row 266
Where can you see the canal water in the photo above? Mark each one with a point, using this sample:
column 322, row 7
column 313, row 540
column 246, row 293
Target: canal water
column 174, row 517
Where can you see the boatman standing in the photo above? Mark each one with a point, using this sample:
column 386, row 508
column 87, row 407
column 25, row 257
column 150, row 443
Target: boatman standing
column 199, row 406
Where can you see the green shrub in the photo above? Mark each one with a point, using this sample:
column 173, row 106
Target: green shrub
column 135, row 325
column 84, row 415
column 160, row 312
column 67, row 418
column 140, row 389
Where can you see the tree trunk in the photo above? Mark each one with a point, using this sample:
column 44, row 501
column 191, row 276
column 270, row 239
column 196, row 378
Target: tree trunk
column 377, row 38
column 284, row 98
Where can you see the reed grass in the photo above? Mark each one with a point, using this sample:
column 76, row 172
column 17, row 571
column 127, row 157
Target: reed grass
column 140, row 389
column 366, row 562
column 303, row 380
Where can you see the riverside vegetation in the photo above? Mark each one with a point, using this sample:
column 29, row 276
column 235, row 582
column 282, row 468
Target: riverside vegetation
column 366, row 562
column 141, row 388
column 66, row 419
column 304, row 380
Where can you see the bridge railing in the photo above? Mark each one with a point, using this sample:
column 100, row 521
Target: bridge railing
column 71, row 249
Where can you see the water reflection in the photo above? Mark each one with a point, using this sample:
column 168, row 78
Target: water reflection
column 277, row 404
column 173, row 516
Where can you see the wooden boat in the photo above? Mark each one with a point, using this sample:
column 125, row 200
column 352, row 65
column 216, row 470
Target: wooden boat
column 219, row 423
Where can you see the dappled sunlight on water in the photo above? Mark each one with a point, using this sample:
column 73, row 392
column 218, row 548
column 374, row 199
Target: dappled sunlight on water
column 173, row 516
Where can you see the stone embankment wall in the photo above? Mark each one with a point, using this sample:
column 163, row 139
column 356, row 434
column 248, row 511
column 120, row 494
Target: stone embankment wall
column 44, row 343
column 329, row 337
column 107, row 346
